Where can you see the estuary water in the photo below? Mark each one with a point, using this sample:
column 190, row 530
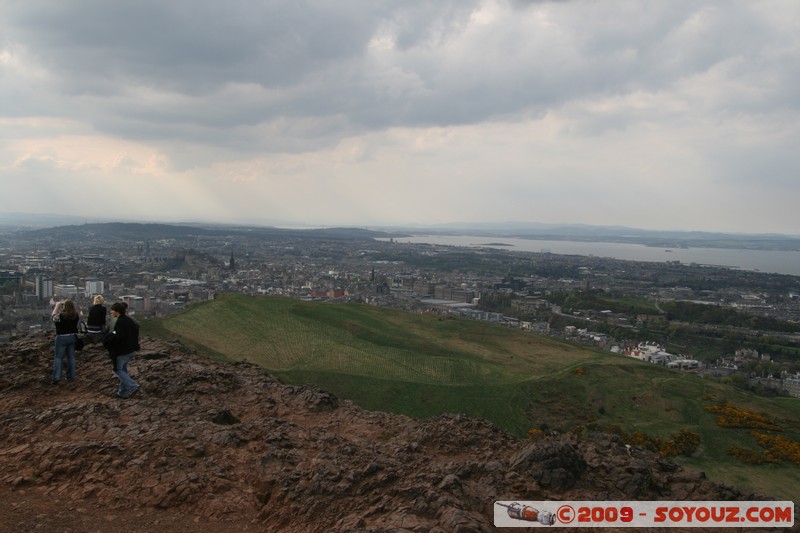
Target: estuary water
column 780, row 262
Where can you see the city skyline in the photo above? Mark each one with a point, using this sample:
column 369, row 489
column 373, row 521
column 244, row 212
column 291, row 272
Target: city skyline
column 677, row 116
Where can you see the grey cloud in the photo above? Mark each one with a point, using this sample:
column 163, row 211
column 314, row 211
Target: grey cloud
column 311, row 62
column 191, row 46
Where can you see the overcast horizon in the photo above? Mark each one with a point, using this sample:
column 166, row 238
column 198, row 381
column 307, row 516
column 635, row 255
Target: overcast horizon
column 675, row 115
column 48, row 220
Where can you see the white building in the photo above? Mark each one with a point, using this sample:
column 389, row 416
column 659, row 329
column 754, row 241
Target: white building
column 65, row 291
column 94, row 287
column 652, row 353
column 684, row 364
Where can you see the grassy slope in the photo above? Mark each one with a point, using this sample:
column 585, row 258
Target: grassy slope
column 423, row 365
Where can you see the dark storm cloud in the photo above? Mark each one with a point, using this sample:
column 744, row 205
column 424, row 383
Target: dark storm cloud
column 298, row 59
column 190, row 46
column 115, row 61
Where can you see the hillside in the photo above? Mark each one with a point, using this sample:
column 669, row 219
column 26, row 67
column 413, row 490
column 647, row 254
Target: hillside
column 133, row 231
column 425, row 365
column 212, row 446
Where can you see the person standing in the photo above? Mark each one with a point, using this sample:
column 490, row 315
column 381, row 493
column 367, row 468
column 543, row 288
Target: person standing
column 65, row 316
column 121, row 342
column 96, row 322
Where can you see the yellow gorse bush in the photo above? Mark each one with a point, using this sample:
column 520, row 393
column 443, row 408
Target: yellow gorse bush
column 535, row 434
column 730, row 416
column 682, row 442
column 775, row 448
column 779, row 447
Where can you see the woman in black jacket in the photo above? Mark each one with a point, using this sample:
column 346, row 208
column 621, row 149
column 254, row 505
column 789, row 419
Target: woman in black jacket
column 65, row 315
column 121, row 343
column 96, row 322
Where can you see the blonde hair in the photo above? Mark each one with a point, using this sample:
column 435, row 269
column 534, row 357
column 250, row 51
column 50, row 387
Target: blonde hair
column 99, row 299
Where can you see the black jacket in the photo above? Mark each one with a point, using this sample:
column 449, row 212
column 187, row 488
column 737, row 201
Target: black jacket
column 125, row 337
column 97, row 317
column 66, row 325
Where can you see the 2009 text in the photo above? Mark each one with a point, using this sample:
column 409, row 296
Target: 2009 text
column 605, row 514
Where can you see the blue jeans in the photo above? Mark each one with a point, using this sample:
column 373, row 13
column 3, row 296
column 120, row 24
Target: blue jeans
column 126, row 384
column 65, row 346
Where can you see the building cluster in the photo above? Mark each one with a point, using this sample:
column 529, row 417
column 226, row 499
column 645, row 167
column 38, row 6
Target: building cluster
column 785, row 383
column 159, row 276
column 653, row 353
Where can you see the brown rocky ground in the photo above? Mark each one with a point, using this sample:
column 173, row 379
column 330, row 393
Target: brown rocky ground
column 210, row 446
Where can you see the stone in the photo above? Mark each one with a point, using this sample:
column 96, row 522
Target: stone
column 225, row 443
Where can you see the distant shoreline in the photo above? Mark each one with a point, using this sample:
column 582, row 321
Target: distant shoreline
column 786, row 262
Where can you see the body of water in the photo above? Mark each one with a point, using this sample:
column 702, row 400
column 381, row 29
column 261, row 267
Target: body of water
column 780, row 262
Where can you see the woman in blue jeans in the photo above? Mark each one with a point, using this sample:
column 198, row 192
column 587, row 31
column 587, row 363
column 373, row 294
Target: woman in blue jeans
column 121, row 342
column 65, row 315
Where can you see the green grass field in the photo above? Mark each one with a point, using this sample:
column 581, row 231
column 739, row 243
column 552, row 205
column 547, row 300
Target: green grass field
column 425, row 365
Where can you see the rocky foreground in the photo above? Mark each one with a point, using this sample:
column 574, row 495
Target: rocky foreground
column 210, row 446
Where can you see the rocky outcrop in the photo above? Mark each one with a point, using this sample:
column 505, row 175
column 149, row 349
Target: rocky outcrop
column 226, row 441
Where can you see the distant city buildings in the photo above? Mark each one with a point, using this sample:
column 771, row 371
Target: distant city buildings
column 94, row 287
column 44, row 288
column 160, row 276
column 65, row 291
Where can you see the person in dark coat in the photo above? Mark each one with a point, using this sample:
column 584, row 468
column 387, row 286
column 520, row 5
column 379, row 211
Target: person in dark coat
column 96, row 322
column 66, row 318
column 121, row 343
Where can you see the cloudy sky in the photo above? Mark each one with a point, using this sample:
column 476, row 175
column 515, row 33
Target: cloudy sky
column 681, row 114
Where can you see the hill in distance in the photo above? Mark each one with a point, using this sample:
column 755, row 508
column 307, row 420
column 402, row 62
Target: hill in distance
column 71, row 228
column 424, row 365
column 133, row 231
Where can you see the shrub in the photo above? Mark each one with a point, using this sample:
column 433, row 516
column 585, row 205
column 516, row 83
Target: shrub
column 643, row 440
column 729, row 416
column 750, row 456
column 684, row 442
column 779, row 447
column 535, row 434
